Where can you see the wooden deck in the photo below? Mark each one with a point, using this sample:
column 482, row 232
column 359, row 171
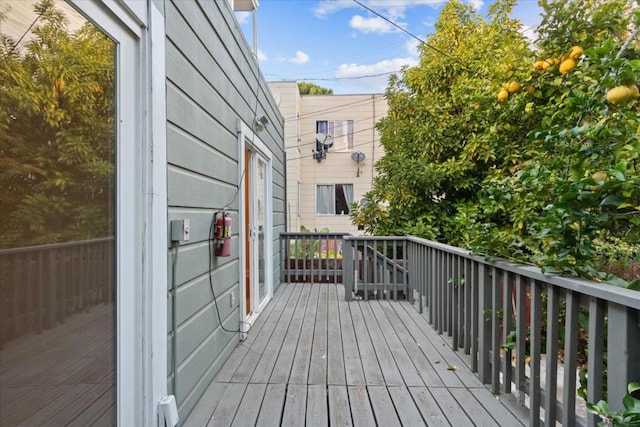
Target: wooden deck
column 313, row 359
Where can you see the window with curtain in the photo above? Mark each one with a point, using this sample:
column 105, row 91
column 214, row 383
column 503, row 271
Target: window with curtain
column 334, row 199
column 340, row 130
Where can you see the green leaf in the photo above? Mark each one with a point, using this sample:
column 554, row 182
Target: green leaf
column 613, row 200
column 632, row 405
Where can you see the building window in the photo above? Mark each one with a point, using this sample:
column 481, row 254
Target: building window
column 333, row 199
column 340, row 130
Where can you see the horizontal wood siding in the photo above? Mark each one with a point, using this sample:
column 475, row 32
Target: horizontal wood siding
column 212, row 81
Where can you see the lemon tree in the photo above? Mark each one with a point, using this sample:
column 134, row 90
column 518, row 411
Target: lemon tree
column 516, row 150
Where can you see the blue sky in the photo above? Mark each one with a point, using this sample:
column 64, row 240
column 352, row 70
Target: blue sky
column 334, row 43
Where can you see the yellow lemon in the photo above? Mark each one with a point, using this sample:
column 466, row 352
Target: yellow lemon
column 548, row 63
column 619, row 94
column 530, row 90
column 599, row 176
column 634, row 91
column 576, row 52
column 538, row 65
column 503, row 95
column 513, row 87
column 567, row 66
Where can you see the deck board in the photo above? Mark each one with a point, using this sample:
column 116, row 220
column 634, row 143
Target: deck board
column 295, row 405
column 339, row 413
column 227, row 407
column 248, row 411
column 272, row 405
column 352, row 361
column 317, row 414
column 318, row 362
column 315, row 360
column 370, row 366
column 284, row 362
column 270, row 355
column 336, row 374
column 302, row 358
column 429, row 410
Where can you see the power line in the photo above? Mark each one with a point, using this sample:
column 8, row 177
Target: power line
column 331, row 79
column 435, row 49
column 313, row 133
column 334, row 152
column 335, row 108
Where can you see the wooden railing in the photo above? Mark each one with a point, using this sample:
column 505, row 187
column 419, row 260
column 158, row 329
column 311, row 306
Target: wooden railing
column 40, row 286
column 510, row 317
column 311, row 257
column 376, row 267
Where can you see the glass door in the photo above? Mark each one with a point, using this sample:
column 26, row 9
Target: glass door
column 58, row 139
column 261, row 223
column 259, row 232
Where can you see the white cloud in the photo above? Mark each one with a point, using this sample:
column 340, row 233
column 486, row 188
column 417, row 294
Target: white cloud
column 476, row 4
column 371, row 25
column 261, row 55
column 411, row 47
column 300, row 58
column 392, row 10
column 373, row 76
column 327, row 7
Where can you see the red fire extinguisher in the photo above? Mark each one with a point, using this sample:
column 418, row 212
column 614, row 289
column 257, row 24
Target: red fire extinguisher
column 223, row 235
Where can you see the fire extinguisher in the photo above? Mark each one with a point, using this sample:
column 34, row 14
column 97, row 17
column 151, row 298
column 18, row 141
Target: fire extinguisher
column 223, row 234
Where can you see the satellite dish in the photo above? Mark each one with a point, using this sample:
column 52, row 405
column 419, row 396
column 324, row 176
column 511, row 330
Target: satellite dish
column 324, row 138
column 358, row 156
column 323, row 143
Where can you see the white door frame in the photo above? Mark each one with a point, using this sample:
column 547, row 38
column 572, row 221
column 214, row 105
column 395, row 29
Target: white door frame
column 141, row 207
column 248, row 139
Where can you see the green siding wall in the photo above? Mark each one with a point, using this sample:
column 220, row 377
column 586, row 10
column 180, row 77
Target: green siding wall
column 212, row 79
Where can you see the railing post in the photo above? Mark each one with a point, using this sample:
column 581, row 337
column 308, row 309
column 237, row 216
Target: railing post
column 570, row 352
column 484, row 324
column 507, row 327
column 623, row 355
column 495, row 331
column 536, row 341
column 595, row 358
column 347, row 268
column 553, row 312
column 283, row 258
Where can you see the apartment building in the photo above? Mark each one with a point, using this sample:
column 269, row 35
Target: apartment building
column 331, row 145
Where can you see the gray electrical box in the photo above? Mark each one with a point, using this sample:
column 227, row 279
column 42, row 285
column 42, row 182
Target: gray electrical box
column 180, row 230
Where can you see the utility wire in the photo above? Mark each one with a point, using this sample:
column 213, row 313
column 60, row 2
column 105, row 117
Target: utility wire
column 313, row 143
column 435, row 49
column 334, row 152
column 366, row 119
column 331, row 79
column 335, row 107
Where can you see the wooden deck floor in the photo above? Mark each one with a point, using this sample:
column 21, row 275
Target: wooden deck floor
column 313, row 359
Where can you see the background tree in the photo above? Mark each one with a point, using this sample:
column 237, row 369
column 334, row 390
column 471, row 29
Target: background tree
column 436, row 135
column 308, row 88
column 56, row 133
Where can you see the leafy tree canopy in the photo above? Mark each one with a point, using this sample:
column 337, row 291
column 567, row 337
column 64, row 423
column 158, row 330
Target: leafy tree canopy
column 519, row 151
column 308, row 88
